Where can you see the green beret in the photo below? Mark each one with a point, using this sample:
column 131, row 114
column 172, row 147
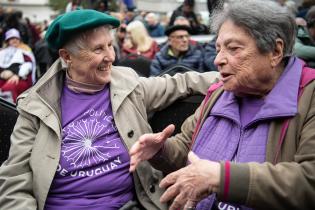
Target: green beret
column 70, row 23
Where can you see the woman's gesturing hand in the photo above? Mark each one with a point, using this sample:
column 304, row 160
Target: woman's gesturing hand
column 148, row 145
column 187, row 186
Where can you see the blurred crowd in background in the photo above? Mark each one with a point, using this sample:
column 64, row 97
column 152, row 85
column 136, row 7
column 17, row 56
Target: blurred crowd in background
column 138, row 41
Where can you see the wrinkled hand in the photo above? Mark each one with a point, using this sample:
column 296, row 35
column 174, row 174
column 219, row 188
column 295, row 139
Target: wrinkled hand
column 192, row 183
column 148, row 145
column 14, row 79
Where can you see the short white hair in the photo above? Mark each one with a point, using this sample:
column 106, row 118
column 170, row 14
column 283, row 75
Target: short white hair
column 79, row 41
column 151, row 15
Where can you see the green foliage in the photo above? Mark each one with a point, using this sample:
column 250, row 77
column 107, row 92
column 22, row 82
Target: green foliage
column 113, row 5
column 58, row 5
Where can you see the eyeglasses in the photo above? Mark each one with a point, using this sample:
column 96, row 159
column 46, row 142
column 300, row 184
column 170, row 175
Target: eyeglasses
column 181, row 36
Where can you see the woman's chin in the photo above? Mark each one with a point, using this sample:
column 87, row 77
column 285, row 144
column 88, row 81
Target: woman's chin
column 103, row 77
column 229, row 87
column 103, row 80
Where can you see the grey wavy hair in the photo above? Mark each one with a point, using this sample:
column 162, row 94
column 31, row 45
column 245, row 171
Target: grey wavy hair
column 264, row 20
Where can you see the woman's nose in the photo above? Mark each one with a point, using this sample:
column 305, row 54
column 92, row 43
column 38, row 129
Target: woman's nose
column 220, row 59
column 109, row 55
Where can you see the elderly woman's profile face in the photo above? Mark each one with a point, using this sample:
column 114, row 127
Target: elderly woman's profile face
column 93, row 64
column 244, row 70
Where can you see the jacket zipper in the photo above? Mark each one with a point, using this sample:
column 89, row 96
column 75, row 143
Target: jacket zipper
column 236, row 154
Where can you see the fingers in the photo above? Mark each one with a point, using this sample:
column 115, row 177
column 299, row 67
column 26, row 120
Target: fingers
column 182, row 194
column 13, row 80
column 169, row 179
column 157, row 138
column 143, row 140
column 167, row 132
column 170, row 193
column 135, row 148
column 134, row 161
column 178, row 202
column 147, row 146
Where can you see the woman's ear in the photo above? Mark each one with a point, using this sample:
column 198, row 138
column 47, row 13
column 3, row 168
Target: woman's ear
column 277, row 54
column 65, row 55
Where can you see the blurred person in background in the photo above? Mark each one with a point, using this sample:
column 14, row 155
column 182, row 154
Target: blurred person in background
column 177, row 51
column 305, row 6
column 181, row 20
column 73, row 5
column 102, row 6
column 131, row 14
column 209, row 55
column 44, row 56
column 304, row 46
column 128, row 3
column 164, row 20
column 187, row 10
column 2, row 24
column 155, row 29
column 138, row 41
column 292, row 7
column 34, row 32
column 119, row 35
column 119, row 38
column 17, row 66
column 14, row 20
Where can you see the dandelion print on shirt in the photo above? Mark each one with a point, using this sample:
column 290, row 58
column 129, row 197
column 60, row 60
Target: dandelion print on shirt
column 79, row 145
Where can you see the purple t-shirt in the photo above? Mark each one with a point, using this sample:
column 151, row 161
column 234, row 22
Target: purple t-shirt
column 93, row 172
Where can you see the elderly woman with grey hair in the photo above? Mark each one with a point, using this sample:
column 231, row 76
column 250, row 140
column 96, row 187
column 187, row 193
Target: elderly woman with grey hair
column 69, row 147
column 252, row 139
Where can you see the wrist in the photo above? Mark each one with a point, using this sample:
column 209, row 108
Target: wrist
column 213, row 172
column 216, row 176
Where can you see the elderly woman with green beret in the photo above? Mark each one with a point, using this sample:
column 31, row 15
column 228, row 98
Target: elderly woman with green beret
column 70, row 143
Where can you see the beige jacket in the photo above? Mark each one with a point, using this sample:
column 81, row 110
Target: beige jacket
column 26, row 176
column 289, row 184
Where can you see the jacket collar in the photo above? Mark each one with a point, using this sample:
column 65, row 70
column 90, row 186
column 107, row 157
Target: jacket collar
column 121, row 85
column 280, row 102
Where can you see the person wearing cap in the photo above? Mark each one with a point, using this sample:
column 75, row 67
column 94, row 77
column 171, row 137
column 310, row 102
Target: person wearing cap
column 69, row 148
column 17, row 66
column 177, row 51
